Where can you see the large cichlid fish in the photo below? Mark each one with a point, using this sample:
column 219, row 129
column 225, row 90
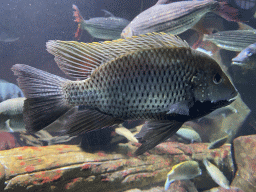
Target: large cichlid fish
column 176, row 17
column 155, row 77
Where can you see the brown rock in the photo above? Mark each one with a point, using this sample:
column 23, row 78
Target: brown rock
column 68, row 168
column 245, row 157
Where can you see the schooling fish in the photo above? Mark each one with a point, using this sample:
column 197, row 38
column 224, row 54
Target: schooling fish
column 183, row 171
column 11, row 114
column 155, row 77
column 189, row 134
column 9, row 91
column 246, row 58
column 233, row 40
column 108, row 28
column 12, row 106
column 216, row 174
column 175, row 17
column 218, row 143
column 126, row 133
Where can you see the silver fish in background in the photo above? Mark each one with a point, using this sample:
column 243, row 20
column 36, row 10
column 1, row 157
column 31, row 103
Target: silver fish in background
column 182, row 171
column 218, row 143
column 175, row 17
column 155, row 77
column 9, row 91
column 216, row 174
column 109, row 27
column 11, row 110
column 233, row 40
column 246, row 58
column 189, row 134
column 7, row 38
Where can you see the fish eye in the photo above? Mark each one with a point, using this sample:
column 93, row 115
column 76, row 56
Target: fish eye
column 217, row 78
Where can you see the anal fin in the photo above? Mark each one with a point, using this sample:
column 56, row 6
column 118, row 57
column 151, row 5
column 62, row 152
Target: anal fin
column 155, row 132
column 85, row 120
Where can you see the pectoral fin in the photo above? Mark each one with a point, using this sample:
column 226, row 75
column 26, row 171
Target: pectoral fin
column 155, row 132
column 181, row 108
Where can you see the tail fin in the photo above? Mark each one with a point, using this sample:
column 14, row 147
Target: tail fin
column 45, row 99
column 78, row 19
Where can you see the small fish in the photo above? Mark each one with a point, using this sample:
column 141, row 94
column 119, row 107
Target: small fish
column 246, row 58
column 9, row 91
column 6, row 38
column 218, row 143
column 109, row 27
column 175, row 17
column 216, row 174
column 155, row 77
column 233, row 40
column 189, row 134
column 182, row 171
column 126, row 133
column 11, row 117
column 13, row 106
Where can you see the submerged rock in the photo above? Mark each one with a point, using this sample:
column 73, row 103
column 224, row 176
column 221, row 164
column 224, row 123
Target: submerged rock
column 245, row 157
column 69, row 168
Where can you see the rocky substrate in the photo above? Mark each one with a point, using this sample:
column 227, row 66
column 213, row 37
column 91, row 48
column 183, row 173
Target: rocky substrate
column 69, row 168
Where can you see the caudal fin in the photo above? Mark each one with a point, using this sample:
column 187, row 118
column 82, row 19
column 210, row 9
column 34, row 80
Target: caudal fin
column 78, row 19
column 45, row 100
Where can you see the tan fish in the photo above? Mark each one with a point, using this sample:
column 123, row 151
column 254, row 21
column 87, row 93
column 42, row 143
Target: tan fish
column 126, row 133
column 175, row 17
column 216, row 174
column 183, row 171
column 155, row 77
column 13, row 106
column 189, row 134
column 11, row 118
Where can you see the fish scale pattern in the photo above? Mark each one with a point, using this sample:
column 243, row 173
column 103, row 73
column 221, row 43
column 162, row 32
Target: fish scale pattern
column 138, row 85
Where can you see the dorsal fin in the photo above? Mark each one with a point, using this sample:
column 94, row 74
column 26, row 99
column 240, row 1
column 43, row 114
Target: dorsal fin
column 107, row 13
column 78, row 59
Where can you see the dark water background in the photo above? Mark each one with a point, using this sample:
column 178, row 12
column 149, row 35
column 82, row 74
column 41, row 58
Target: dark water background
column 37, row 21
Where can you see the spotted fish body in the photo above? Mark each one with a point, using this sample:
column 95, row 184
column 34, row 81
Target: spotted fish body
column 155, row 77
column 141, row 85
